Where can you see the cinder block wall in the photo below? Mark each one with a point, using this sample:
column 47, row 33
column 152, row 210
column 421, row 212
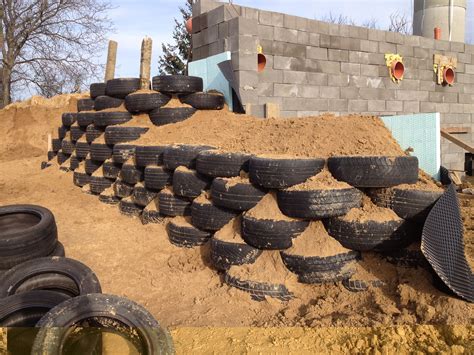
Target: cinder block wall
column 315, row 67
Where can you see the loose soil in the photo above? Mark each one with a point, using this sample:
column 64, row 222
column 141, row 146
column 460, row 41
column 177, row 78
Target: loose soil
column 175, row 103
column 372, row 267
column 315, row 241
column 231, row 232
column 267, row 209
column 424, row 183
column 370, row 212
column 322, row 181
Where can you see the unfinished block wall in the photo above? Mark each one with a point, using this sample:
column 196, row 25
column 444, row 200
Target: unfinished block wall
column 315, row 67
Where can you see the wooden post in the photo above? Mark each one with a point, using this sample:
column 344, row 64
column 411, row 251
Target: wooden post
column 111, row 61
column 145, row 63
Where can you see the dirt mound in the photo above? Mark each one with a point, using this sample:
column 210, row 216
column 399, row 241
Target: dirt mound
column 25, row 125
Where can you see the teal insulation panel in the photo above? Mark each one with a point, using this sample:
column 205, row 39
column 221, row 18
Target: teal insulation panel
column 212, row 77
column 422, row 133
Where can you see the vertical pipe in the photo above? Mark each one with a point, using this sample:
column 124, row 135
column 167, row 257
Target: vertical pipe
column 111, row 61
column 451, row 15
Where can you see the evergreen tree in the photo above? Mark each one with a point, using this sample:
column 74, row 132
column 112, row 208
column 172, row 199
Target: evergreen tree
column 176, row 56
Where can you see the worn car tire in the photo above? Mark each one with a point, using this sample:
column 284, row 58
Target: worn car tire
column 131, row 174
column 209, row 217
column 189, row 183
column 166, row 115
column 177, row 84
column 225, row 254
column 128, row 208
column 122, row 134
column 77, row 132
column 123, row 152
column 91, row 166
column 82, row 149
column 85, row 105
column 122, row 189
column 149, row 155
column 157, row 177
column 172, row 206
column 106, row 102
column 100, row 151
column 97, row 89
column 120, row 88
column 204, row 101
column 81, row 179
column 216, row 163
column 142, row 196
column 93, row 132
column 259, row 290
column 240, row 196
column 299, row 264
column 182, row 155
column 186, row 236
column 69, row 118
column 109, row 118
column 145, row 102
column 85, row 118
column 67, row 146
column 99, row 184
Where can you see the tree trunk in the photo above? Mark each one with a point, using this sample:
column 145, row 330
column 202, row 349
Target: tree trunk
column 6, row 84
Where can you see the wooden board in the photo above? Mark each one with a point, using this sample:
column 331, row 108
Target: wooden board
column 457, row 141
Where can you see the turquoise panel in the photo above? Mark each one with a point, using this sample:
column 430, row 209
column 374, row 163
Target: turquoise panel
column 422, row 133
column 212, row 76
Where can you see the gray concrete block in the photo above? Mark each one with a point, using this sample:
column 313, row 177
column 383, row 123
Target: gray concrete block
column 350, row 68
column 317, row 79
column 271, row 76
column 319, row 27
column 255, row 110
column 330, row 92
column 324, row 41
column 301, row 114
column 443, row 97
column 289, row 49
column 376, row 35
column 286, row 90
column 413, row 95
column 265, row 32
column 248, row 12
column 288, row 114
column 358, row 106
column 422, row 53
column 442, row 107
column 340, row 80
column 387, row 48
column 338, row 55
column 289, row 21
column 212, row 34
column 410, row 84
column 338, row 105
column 455, row 118
column 369, row 70
column 242, row 61
column 223, row 30
column 249, row 97
column 314, row 40
column 427, row 75
column 405, row 51
column 262, row 100
column 394, row 105
column 243, row 26
column 358, row 32
column 294, row 77
column 243, row 44
column 202, row 21
column 265, row 89
column 466, row 99
column 440, row 45
column 288, row 63
column 468, row 89
column 469, row 69
column 303, row 38
column 457, row 47
column 303, row 104
column 427, row 85
column 334, row 29
column 376, row 58
column 349, row 93
column 469, row 48
column 316, row 53
column 411, row 106
column 309, row 91
column 217, row 47
column 285, row 35
column 465, row 58
column 369, row 46
column 394, row 37
column 359, row 57
column 277, row 19
column 197, row 40
column 376, row 106
column 247, row 78
column 302, row 24
column 267, row 46
column 329, row 67
column 469, row 108
column 427, row 43
column 216, row 16
column 413, row 41
column 456, row 108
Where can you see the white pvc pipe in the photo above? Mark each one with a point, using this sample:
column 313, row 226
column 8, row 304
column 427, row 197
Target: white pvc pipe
column 451, row 15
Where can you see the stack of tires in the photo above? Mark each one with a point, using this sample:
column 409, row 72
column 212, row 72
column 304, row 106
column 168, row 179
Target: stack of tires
column 51, row 296
column 97, row 142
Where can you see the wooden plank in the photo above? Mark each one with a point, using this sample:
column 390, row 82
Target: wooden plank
column 457, row 130
column 111, row 61
column 145, row 63
column 457, row 141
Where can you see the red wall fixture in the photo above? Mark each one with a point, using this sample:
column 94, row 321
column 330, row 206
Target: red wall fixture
column 437, row 33
column 395, row 65
column 189, row 25
column 449, row 76
column 398, row 70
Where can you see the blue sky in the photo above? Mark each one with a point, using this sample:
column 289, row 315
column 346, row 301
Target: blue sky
column 135, row 19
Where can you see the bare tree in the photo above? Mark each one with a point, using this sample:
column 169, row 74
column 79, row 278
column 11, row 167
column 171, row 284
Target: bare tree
column 400, row 23
column 338, row 19
column 371, row 23
column 51, row 46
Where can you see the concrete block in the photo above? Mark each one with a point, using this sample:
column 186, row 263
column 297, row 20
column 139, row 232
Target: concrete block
column 338, row 105
column 223, row 30
column 465, row 58
column 427, row 75
column 249, row 13
column 427, row 43
column 469, row 48
column 405, row 51
column 202, row 21
column 316, row 53
column 387, row 48
column 301, row 114
column 427, row 85
column 338, row 55
column 286, row 90
column 413, row 41
column 288, row 63
column 247, row 78
column 376, row 58
column 303, row 38
column 242, row 61
column 358, row 106
column 344, row 30
column 455, row 118
column 243, row 26
column 394, row 37
column 466, row 99
column 359, row 57
column 277, row 19
column 217, row 47
column 469, row 69
column 249, row 97
column 289, row 21
column 427, row 107
column 334, row 29
column 413, row 95
column 358, row 81
column 369, row 46
column 443, row 97
column 422, row 53
column 441, row 45
column 265, row 89
column 358, row 32
column 410, row 84
column 263, row 100
column 330, row 67
column 350, row 68
column 302, row 24
column 255, row 110
column 369, row 70
column 394, row 105
column 309, row 91
column 376, row 35
column 324, row 41
column 243, row 44
column 267, row 46
column 197, row 40
column 272, row 110
column 456, row 108
column 442, row 107
column 468, row 89
column 289, row 49
column 314, row 40
column 265, row 32
column 319, row 27
column 317, row 79
column 330, row 92
column 294, row 77
column 457, row 47
column 376, row 106
column 339, row 80
column 216, row 16
column 288, row 114
column 349, row 92
column 271, row 76
column 285, row 35
column 411, row 106
column 212, row 34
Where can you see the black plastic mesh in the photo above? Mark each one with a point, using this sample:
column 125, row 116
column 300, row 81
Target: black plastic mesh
column 442, row 244
column 444, row 176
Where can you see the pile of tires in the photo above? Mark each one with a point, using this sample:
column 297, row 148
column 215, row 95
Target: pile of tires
column 53, row 296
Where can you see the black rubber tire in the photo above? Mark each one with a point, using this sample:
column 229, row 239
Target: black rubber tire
column 59, row 250
column 100, row 152
column 374, row 171
column 209, row 217
column 64, row 275
column 108, row 118
column 91, row 166
column 177, row 84
column 188, row 183
column 239, row 197
column 371, row 235
column 109, row 199
column 145, row 102
column 122, row 134
column 172, row 206
column 151, row 214
column 123, row 152
column 131, row 174
column 81, row 179
column 128, row 208
column 120, row 88
column 182, row 155
column 74, row 162
column 271, row 235
column 360, row 286
column 97, row 89
column 85, row 118
column 279, row 173
column 142, row 196
column 216, row 163
column 325, row 276
column 85, row 105
column 26, row 232
column 318, row 204
column 26, row 309
column 62, row 131
column 225, row 254
column 99, row 184
column 122, row 189
column 186, row 236
column 56, row 144
column 67, row 146
column 51, row 155
column 93, row 132
column 407, row 204
column 407, row 258
column 77, row 132
column 111, row 170
column 112, row 312
column 157, row 177
column 69, row 118
column 259, row 290
column 149, row 155
column 167, row 115
column 299, row 264
column 107, row 102
column 204, row 101
column 82, row 149
column 61, row 157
